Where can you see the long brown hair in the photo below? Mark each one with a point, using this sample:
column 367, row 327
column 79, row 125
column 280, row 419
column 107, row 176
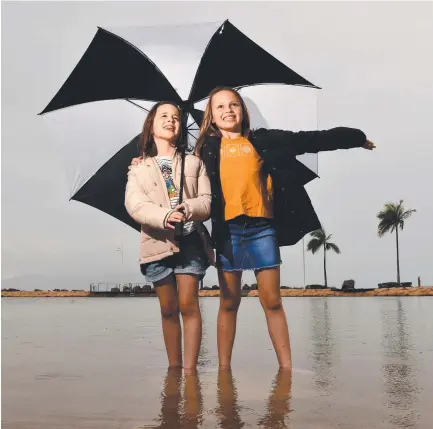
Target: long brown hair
column 209, row 129
column 146, row 144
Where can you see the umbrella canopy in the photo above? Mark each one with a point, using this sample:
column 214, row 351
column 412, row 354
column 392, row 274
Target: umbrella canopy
column 100, row 109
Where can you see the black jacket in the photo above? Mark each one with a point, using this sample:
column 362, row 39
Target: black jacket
column 294, row 214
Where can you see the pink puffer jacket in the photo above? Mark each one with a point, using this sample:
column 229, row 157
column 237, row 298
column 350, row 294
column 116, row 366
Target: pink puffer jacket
column 147, row 202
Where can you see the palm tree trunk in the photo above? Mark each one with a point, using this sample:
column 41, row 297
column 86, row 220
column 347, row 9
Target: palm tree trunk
column 324, row 265
column 398, row 256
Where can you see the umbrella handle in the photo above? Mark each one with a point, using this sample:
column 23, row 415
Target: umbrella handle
column 179, row 225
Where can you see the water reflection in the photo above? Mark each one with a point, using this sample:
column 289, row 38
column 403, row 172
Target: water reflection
column 203, row 359
column 278, row 405
column 323, row 345
column 228, row 410
column 178, row 412
column 399, row 380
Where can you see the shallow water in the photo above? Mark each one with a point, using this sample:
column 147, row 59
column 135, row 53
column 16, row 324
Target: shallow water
column 101, row 363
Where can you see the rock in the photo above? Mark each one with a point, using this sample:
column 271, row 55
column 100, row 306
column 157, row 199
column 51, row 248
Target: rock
column 254, row 286
column 406, row 284
column 348, row 284
column 315, row 287
column 388, row 285
column 246, row 287
column 215, row 287
column 208, row 292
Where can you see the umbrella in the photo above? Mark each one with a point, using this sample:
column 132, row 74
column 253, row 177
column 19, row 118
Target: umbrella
column 99, row 110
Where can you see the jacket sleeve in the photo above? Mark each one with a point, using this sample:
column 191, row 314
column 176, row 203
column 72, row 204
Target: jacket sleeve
column 199, row 208
column 317, row 141
column 140, row 207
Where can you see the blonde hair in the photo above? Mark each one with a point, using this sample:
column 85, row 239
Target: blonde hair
column 209, row 129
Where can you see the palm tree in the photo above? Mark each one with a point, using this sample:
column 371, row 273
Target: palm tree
column 391, row 218
column 319, row 239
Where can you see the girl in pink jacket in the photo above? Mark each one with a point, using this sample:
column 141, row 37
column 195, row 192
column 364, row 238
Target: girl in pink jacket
column 174, row 265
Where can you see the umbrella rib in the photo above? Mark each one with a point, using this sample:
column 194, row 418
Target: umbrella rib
column 137, row 105
column 191, row 135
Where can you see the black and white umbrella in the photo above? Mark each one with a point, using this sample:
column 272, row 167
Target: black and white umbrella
column 100, row 109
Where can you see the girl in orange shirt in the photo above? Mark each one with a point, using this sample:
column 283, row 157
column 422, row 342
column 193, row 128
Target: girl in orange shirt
column 258, row 204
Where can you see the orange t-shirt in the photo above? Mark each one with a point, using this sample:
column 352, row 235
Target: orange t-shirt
column 246, row 190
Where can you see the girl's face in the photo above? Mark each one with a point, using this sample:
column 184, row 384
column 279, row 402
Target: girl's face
column 226, row 111
column 166, row 124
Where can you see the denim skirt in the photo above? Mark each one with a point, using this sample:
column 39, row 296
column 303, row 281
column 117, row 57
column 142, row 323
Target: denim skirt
column 252, row 245
column 191, row 259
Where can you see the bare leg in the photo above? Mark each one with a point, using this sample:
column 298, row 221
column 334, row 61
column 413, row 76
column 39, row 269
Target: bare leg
column 230, row 299
column 188, row 304
column 167, row 294
column 268, row 281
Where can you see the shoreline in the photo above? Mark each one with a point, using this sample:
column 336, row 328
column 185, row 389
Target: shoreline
column 411, row 291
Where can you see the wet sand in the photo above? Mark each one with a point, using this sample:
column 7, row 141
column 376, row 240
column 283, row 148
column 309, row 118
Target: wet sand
column 86, row 363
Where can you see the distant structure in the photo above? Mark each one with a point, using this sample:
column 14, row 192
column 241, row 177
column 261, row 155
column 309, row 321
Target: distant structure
column 116, row 288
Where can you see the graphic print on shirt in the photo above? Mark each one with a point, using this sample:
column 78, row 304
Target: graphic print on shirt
column 167, row 175
column 233, row 150
column 165, row 165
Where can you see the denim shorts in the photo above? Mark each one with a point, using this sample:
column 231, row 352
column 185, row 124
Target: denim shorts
column 191, row 259
column 252, row 245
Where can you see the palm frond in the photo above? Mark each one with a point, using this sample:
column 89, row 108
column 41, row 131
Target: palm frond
column 391, row 217
column 334, row 247
column 314, row 245
column 320, row 234
column 384, row 227
column 407, row 214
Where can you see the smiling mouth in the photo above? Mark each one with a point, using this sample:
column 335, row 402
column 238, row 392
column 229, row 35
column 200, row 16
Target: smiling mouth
column 230, row 118
column 169, row 128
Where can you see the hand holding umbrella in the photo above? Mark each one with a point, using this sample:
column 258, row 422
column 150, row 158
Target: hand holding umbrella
column 175, row 217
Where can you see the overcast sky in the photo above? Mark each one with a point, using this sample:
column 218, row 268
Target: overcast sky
column 374, row 63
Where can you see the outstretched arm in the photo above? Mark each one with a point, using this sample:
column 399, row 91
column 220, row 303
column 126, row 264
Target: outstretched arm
column 333, row 139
